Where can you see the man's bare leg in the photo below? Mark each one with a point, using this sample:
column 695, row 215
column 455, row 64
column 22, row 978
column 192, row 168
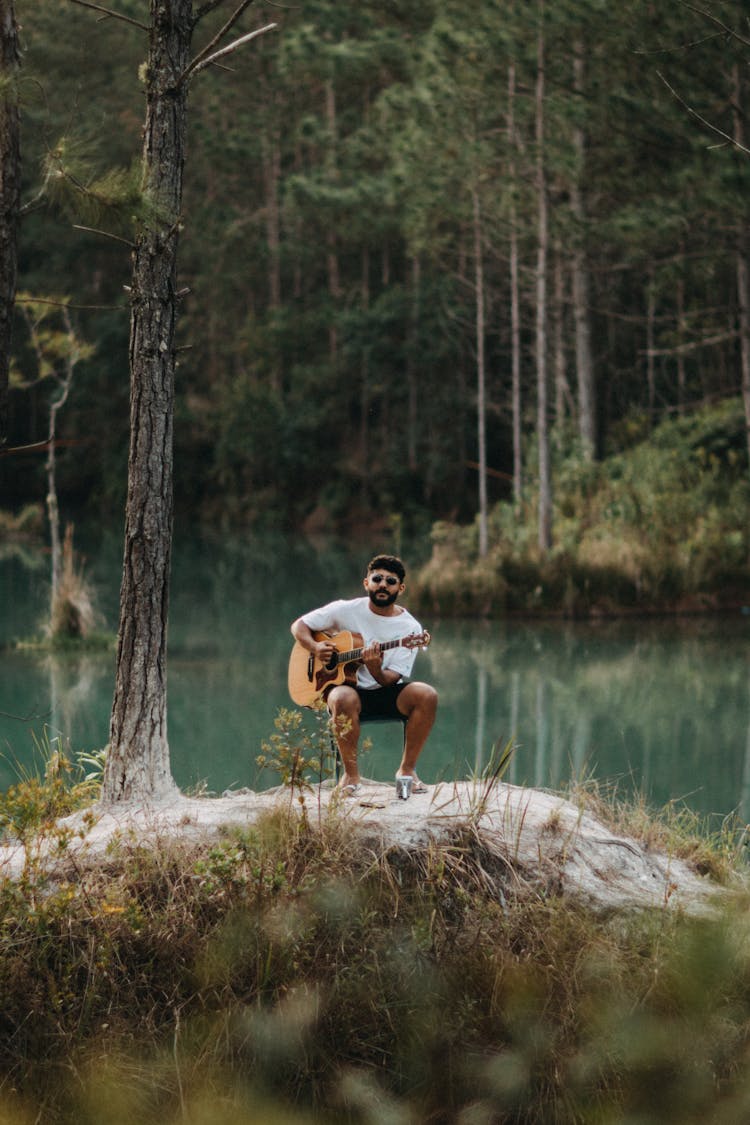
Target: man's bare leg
column 419, row 703
column 344, row 708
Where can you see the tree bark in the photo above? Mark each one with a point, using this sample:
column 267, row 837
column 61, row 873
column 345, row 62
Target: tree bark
column 650, row 347
column 271, row 179
column 743, row 263
column 515, row 300
column 562, row 388
column 481, row 374
column 332, row 259
column 137, row 765
column 10, row 194
column 53, row 508
column 581, row 286
column 545, row 478
column 412, row 361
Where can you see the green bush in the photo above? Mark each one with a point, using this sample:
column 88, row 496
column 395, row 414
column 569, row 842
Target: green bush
column 662, row 526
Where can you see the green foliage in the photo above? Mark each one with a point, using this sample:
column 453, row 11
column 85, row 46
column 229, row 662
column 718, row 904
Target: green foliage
column 299, row 757
column 61, row 783
column 661, row 526
column 327, row 340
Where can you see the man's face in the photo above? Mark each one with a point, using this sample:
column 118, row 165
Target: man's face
column 383, row 587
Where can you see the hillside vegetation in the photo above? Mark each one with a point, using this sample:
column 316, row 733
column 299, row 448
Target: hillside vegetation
column 371, row 305
column 661, row 526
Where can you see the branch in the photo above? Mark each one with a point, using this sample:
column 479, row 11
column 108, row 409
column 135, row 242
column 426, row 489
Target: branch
column 195, row 67
column 206, row 9
column 227, row 27
column 703, row 121
column 105, row 234
column 27, row 208
column 64, row 304
column 715, row 19
column 40, row 446
column 685, row 349
column 112, row 15
column 26, row 718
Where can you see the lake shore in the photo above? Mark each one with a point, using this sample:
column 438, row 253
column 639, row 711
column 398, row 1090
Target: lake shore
column 540, row 837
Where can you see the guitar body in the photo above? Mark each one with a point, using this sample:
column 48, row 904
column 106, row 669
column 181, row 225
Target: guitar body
column 309, row 678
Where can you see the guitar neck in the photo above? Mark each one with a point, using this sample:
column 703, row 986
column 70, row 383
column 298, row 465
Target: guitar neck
column 355, row 653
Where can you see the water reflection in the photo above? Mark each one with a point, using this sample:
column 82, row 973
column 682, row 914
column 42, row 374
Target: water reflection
column 658, row 705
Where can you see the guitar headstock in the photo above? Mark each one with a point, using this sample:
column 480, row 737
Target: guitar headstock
column 417, row 640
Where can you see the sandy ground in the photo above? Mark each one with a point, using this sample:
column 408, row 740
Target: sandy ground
column 540, row 837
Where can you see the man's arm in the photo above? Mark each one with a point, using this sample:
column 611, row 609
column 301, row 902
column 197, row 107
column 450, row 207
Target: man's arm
column 302, row 632
column 372, row 658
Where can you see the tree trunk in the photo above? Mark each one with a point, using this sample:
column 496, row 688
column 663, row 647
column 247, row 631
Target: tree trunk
column 412, row 361
column 545, row 479
column 515, row 300
column 682, row 337
column 581, row 287
column 332, row 260
column 364, row 393
column 10, row 194
column 138, row 760
column 650, row 348
column 562, row 388
column 271, row 178
column 53, row 508
column 481, row 374
column 743, row 265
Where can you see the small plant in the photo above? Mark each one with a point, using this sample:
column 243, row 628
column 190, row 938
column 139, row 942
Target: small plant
column 57, row 787
column 493, row 772
column 297, row 755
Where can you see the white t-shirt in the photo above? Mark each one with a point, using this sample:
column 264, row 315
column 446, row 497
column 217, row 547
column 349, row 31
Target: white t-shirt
column 355, row 616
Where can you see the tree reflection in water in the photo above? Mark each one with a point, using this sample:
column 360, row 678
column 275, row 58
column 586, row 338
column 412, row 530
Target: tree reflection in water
column 659, row 706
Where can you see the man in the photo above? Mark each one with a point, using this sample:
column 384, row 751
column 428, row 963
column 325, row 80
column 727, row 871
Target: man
column 382, row 688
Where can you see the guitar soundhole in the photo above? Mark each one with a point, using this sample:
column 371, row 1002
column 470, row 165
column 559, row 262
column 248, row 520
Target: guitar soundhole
column 331, row 665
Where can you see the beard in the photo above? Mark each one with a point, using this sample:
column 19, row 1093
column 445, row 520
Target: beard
column 382, row 597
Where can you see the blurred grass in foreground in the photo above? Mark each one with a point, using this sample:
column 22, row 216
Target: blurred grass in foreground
column 294, row 973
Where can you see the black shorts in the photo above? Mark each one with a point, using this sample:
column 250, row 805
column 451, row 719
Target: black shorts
column 380, row 703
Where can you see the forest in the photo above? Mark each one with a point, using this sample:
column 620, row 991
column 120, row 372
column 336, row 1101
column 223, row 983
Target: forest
column 432, row 254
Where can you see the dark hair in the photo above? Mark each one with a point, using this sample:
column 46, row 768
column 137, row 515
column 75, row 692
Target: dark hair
column 387, row 562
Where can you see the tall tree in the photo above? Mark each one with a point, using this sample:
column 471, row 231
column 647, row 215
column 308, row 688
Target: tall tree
column 10, row 193
column 542, row 423
column 742, row 254
column 138, row 766
column 581, row 286
column 515, row 296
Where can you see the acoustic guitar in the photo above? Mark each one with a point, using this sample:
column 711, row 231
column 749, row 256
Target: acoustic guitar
column 310, row 678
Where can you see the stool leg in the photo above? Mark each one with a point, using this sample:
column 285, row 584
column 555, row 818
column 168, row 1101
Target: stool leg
column 336, row 755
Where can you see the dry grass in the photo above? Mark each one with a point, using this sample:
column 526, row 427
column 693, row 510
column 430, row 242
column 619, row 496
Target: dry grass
column 300, row 969
column 73, row 615
column 715, row 849
column 295, row 972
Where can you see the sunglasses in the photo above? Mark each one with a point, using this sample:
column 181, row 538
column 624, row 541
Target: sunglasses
column 378, row 579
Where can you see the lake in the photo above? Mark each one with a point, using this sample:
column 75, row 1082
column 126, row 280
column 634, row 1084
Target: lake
column 660, row 706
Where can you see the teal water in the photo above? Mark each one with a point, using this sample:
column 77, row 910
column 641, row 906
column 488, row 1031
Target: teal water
column 660, row 705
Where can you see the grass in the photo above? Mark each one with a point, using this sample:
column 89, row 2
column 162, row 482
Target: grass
column 294, row 972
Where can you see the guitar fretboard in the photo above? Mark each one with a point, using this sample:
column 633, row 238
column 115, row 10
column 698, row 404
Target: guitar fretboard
column 355, row 653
